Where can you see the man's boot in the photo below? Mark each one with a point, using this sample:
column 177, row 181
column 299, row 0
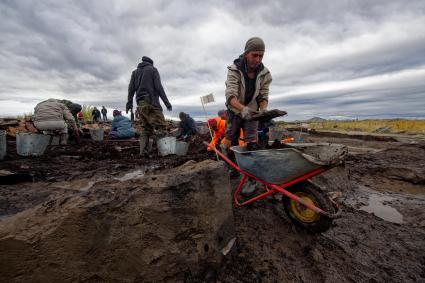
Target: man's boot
column 149, row 145
column 64, row 139
column 143, row 143
column 233, row 172
column 249, row 188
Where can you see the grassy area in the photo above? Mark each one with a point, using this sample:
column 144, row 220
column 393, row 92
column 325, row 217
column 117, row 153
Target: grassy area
column 86, row 110
column 373, row 126
column 25, row 116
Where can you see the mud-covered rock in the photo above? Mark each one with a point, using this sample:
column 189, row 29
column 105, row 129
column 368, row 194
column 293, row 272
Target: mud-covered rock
column 334, row 180
column 167, row 227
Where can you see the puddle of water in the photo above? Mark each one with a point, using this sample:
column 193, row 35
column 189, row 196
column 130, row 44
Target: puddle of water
column 386, row 212
column 131, row 175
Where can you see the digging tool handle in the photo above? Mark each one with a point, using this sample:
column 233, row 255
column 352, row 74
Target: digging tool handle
column 267, row 115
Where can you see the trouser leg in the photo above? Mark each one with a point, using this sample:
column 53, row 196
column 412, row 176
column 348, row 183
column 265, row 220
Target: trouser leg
column 149, row 145
column 64, row 138
column 143, row 141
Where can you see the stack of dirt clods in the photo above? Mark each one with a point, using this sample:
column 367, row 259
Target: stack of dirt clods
column 12, row 126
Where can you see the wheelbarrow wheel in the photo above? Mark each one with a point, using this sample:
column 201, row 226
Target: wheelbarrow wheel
column 303, row 216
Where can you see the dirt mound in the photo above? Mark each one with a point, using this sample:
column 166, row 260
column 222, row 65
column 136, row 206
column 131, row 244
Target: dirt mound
column 393, row 168
column 167, row 227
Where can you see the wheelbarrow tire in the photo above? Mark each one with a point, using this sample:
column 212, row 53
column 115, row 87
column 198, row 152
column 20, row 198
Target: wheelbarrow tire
column 304, row 217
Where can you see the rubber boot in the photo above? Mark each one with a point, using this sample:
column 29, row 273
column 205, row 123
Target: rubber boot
column 149, row 146
column 249, row 188
column 64, row 139
column 233, row 173
column 143, row 144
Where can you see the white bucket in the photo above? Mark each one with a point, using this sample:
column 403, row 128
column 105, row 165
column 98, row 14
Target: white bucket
column 166, row 145
column 96, row 134
column 276, row 134
column 30, row 144
column 61, row 139
column 169, row 145
column 55, row 139
column 181, row 148
column 2, row 144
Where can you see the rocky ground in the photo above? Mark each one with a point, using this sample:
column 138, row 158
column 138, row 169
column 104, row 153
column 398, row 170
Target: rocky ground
column 380, row 236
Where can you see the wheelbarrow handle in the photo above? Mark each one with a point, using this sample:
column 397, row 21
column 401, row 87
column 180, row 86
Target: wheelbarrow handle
column 224, row 157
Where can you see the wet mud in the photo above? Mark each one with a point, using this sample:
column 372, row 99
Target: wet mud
column 380, row 236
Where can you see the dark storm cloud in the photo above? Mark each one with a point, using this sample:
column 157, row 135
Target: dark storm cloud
column 330, row 58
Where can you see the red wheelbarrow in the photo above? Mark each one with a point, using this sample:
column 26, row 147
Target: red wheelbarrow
column 287, row 171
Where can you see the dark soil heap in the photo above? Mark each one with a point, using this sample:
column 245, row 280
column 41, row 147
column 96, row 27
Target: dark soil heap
column 166, row 227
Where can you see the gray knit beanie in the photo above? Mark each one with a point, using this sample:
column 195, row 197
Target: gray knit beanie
column 254, row 44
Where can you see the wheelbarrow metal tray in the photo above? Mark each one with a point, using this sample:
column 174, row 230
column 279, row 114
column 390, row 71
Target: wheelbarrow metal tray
column 277, row 166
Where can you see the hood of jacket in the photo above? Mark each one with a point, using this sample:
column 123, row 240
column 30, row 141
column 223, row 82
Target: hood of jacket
column 240, row 64
column 146, row 61
column 143, row 64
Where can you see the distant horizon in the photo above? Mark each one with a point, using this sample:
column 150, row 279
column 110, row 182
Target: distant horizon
column 280, row 119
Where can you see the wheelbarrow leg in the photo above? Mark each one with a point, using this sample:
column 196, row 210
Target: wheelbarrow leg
column 260, row 196
column 239, row 188
column 251, row 200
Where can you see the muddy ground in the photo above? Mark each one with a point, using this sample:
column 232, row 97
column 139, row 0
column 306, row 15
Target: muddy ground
column 380, row 236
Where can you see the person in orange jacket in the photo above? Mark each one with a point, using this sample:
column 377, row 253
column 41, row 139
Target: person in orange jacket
column 218, row 127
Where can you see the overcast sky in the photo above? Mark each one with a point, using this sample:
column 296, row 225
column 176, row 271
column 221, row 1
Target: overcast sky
column 333, row 59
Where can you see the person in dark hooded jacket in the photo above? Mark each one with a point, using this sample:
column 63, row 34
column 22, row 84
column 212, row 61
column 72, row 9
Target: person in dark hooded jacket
column 95, row 115
column 187, row 126
column 145, row 82
column 73, row 107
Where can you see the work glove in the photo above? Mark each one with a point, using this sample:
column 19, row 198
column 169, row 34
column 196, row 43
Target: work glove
column 128, row 106
column 246, row 113
column 169, row 108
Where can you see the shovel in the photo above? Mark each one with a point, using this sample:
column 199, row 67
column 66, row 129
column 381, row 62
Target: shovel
column 267, row 115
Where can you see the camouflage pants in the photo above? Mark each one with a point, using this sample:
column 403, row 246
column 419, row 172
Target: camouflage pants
column 152, row 120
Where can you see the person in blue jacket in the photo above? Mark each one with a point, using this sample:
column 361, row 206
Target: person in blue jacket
column 121, row 127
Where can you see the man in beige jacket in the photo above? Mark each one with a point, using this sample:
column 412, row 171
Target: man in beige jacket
column 247, row 91
column 52, row 115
